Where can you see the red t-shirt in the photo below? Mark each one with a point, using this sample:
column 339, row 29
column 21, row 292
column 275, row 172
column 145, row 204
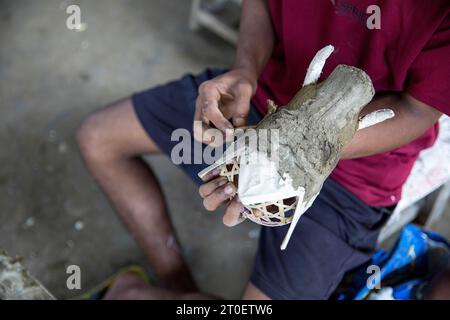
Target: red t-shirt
column 411, row 52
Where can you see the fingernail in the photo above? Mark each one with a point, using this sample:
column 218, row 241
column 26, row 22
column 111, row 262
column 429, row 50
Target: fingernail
column 223, row 181
column 228, row 189
column 228, row 129
column 239, row 122
column 243, row 210
column 229, row 126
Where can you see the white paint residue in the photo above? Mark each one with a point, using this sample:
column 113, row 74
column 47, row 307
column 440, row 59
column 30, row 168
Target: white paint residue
column 259, row 180
column 375, row 117
column 316, row 65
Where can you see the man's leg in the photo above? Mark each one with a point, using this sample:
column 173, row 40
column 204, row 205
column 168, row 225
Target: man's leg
column 131, row 287
column 439, row 287
column 253, row 293
column 337, row 234
column 112, row 142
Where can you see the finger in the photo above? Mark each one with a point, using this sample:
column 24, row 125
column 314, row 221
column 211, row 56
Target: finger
column 214, row 137
column 202, row 130
column 198, row 115
column 219, row 196
column 212, row 174
column 243, row 97
column 234, row 213
column 208, row 104
column 208, row 188
column 198, row 126
column 203, row 133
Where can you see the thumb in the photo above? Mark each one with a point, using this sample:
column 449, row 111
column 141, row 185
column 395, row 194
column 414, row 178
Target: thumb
column 235, row 213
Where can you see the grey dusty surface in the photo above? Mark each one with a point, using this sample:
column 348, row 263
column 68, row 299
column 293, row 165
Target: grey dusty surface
column 51, row 212
column 17, row 283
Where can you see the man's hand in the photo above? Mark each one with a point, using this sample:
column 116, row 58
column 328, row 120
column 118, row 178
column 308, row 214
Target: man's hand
column 217, row 191
column 223, row 103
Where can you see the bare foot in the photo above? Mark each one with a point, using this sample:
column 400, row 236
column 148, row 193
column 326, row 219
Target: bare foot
column 130, row 286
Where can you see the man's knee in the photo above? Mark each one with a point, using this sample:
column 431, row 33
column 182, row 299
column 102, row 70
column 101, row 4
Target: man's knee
column 92, row 138
column 114, row 132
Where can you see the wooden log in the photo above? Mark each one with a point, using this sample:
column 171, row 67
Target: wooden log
column 315, row 125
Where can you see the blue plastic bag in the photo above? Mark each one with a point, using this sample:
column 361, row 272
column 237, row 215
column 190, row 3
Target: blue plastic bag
column 417, row 256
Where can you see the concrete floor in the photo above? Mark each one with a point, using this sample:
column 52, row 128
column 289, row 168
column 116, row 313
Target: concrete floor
column 51, row 212
column 50, row 78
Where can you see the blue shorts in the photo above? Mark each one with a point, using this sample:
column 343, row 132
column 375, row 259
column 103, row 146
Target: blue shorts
column 338, row 233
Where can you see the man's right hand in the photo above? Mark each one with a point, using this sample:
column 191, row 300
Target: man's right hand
column 224, row 103
column 217, row 191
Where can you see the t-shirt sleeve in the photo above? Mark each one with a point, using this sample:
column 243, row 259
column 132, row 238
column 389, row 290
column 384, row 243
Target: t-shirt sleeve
column 429, row 75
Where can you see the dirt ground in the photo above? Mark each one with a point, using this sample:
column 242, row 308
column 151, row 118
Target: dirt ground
column 52, row 214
